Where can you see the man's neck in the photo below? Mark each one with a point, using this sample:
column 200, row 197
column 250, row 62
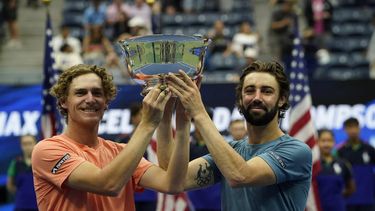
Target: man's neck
column 327, row 158
column 263, row 134
column 83, row 135
column 354, row 141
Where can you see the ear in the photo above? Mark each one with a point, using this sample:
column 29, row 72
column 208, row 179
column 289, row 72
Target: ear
column 63, row 104
column 282, row 101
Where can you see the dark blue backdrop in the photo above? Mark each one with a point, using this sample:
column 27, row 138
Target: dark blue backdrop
column 20, row 105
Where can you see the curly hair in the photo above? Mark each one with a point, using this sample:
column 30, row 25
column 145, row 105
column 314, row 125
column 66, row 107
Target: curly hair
column 276, row 70
column 61, row 89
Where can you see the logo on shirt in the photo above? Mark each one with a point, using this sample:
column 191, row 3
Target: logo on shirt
column 60, row 162
column 278, row 158
column 366, row 157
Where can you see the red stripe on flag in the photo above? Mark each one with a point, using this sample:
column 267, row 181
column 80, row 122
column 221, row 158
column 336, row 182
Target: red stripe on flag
column 311, row 141
column 300, row 123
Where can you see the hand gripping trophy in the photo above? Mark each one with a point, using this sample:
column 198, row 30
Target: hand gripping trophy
column 149, row 58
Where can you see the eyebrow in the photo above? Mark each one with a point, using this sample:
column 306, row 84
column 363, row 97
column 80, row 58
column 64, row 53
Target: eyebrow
column 85, row 89
column 262, row 87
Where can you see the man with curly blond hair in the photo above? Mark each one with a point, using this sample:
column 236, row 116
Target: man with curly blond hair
column 77, row 170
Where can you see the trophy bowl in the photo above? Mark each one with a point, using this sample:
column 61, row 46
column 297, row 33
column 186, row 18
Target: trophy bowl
column 149, row 58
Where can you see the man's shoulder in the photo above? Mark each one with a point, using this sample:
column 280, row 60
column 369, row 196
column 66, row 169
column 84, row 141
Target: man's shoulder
column 49, row 141
column 289, row 143
column 367, row 145
column 53, row 143
column 289, row 140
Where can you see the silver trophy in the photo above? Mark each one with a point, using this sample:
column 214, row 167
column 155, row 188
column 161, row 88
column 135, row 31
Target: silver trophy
column 149, row 58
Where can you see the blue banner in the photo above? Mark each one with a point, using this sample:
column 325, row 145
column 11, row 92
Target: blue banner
column 21, row 109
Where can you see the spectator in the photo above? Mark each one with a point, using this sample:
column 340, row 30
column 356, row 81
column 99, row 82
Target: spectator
column 95, row 14
column 97, row 49
column 9, row 14
column 65, row 38
column 20, row 177
column 362, row 158
column 220, row 40
column 281, row 37
column 66, row 58
column 335, row 179
column 318, row 15
column 244, row 40
column 142, row 10
column 237, row 129
column 118, row 15
column 138, row 27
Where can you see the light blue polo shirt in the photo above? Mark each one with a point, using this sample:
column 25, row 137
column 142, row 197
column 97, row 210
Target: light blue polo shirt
column 290, row 160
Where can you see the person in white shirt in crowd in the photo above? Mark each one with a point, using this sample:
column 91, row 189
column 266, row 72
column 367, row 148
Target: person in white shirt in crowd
column 141, row 9
column 67, row 57
column 245, row 39
column 65, row 38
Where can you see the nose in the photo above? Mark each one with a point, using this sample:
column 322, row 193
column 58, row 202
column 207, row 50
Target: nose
column 89, row 97
column 257, row 95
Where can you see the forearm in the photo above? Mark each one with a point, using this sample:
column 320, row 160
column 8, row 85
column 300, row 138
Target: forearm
column 165, row 142
column 230, row 163
column 119, row 171
column 179, row 159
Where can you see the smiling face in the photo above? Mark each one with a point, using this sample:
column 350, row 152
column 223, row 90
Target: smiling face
column 326, row 143
column 260, row 98
column 86, row 102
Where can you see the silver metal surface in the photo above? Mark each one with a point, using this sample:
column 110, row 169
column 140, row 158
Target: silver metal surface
column 149, row 58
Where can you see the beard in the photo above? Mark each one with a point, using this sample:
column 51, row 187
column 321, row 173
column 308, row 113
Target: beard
column 259, row 119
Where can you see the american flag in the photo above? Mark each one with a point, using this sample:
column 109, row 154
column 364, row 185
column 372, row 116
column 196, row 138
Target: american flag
column 50, row 120
column 300, row 123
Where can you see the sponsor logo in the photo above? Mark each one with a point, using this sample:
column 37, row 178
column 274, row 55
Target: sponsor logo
column 60, row 162
column 278, row 158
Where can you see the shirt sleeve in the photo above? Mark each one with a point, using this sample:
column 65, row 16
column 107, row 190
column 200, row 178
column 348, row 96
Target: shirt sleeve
column 53, row 161
column 139, row 171
column 290, row 160
column 12, row 169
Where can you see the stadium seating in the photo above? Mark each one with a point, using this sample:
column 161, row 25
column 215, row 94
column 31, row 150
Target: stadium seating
column 348, row 42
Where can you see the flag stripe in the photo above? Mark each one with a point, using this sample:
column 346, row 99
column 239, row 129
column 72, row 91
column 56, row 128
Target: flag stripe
column 302, row 121
column 298, row 109
column 306, row 132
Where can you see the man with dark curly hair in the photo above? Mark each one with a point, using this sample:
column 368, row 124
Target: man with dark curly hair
column 269, row 170
column 78, row 170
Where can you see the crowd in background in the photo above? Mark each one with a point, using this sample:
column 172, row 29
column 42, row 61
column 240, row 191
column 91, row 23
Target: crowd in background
column 105, row 22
